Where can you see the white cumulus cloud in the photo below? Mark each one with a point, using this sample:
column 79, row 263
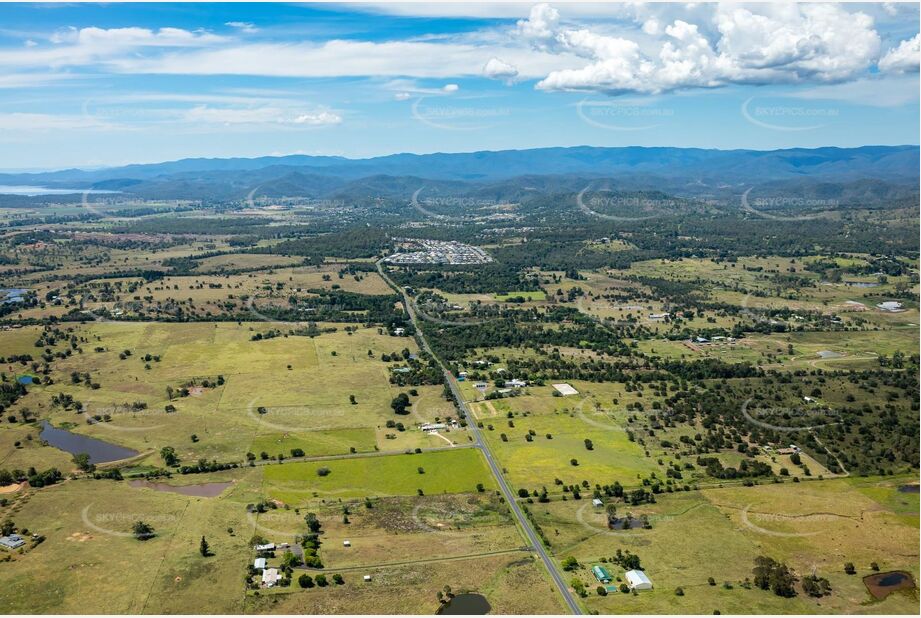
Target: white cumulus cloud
column 820, row 43
column 499, row 69
column 905, row 58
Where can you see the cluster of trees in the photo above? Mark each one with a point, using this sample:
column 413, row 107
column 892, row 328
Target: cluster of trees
column 774, row 576
column 33, row 476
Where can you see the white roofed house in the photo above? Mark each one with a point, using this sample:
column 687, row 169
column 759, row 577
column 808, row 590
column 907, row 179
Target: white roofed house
column 270, row 577
column 259, row 563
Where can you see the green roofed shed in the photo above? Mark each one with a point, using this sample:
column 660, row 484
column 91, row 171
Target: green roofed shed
column 601, row 574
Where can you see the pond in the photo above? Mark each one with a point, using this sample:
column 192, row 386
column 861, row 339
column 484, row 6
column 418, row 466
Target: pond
column 909, row 489
column 98, row 450
column 201, row 490
column 882, row 585
column 467, row 604
column 25, row 379
column 620, row 523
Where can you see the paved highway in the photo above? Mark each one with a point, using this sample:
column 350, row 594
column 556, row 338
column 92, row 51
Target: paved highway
column 536, row 544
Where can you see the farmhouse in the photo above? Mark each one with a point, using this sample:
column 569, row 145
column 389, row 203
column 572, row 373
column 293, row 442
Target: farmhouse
column 565, row 389
column 266, row 547
column 637, row 580
column 270, row 577
column 516, row 383
column 658, row 316
column 12, row 541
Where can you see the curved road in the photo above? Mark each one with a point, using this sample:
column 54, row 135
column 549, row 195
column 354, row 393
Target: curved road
column 536, row 544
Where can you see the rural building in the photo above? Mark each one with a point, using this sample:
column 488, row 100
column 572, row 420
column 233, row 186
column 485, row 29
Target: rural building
column 270, row 577
column 658, row 316
column 516, row 383
column 637, row 580
column 12, row 541
column 346, row 543
column 481, row 386
column 399, row 332
column 432, row 426
column 565, row 389
column 601, row 574
column 266, row 547
column 367, row 578
column 259, row 563
column 597, row 502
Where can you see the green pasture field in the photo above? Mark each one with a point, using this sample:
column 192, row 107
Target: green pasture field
column 810, row 525
column 543, row 460
column 453, row 471
column 86, row 525
column 513, row 583
column 527, row 295
column 854, row 348
column 307, row 406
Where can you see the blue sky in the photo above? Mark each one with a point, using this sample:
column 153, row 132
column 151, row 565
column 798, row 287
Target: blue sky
column 93, row 85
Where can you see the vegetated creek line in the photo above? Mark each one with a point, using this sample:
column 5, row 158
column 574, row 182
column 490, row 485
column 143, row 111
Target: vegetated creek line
column 535, row 541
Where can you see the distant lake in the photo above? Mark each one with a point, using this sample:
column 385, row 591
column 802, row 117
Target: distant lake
column 98, row 450
column 33, row 191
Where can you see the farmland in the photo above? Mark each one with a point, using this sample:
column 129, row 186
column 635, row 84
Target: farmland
column 282, row 421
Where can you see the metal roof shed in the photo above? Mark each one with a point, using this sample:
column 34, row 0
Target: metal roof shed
column 637, row 580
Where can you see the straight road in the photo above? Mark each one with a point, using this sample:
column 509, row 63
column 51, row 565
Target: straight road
column 536, row 544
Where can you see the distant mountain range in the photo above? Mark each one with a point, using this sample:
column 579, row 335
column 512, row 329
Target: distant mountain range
column 868, row 170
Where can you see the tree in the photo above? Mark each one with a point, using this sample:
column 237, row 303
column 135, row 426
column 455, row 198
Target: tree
column 168, row 453
column 774, row 576
column 400, row 403
column 352, row 398
column 142, row 531
column 849, row 568
column 602, row 591
column 337, row 579
column 816, row 586
column 82, row 461
column 203, row 548
column 289, row 560
column 321, row 580
column 570, row 563
column 305, row 581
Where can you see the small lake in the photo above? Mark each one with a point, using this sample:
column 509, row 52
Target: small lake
column 30, row 191
column 98, row 450
column 909, row 489
column 468, row 604
column 201, row 490
column 882, row 585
